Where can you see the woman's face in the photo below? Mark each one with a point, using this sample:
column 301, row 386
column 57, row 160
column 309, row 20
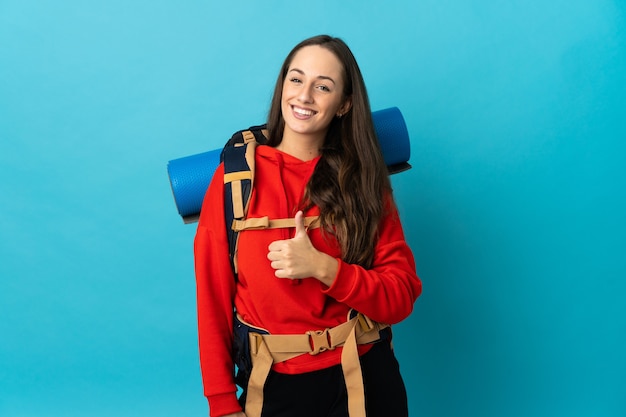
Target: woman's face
column 312, row 93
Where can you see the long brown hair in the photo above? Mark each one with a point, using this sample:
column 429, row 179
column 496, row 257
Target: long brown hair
column 350, row 180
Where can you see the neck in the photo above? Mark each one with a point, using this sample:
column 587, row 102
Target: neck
column 303, row 147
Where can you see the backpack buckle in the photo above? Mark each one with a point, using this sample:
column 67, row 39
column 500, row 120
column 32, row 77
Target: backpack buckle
column 319, row 340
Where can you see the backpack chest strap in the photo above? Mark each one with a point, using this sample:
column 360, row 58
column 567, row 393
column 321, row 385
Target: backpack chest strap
column 260, row 223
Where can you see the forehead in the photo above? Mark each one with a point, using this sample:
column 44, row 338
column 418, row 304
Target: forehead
column 316, row 61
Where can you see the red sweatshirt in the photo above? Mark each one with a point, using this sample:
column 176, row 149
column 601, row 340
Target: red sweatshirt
column 385, row 293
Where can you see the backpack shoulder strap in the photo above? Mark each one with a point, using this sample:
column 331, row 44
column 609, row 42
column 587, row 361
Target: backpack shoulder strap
column 238, row 158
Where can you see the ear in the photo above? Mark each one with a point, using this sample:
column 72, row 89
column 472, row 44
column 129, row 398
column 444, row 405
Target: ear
column 345, row 106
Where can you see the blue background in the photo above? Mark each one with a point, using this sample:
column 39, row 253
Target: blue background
column 514, row 208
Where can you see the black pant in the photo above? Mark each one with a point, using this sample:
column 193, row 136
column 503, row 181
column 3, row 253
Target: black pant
column 323, row 393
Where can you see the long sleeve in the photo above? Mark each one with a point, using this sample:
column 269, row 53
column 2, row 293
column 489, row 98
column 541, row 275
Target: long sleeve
column 387, row 291
column 215, row 292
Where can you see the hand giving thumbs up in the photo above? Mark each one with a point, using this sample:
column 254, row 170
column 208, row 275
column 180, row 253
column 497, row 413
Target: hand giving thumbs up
column 297, row 257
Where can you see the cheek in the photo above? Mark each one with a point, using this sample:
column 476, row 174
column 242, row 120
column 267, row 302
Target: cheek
column 333, row 107
column 283, row 102
column 287, row 91
column 284, row 108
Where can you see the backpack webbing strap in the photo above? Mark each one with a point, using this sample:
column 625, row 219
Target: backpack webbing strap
column 241, row 181
column 267, row 349
column 238, row 157
column 259, row 223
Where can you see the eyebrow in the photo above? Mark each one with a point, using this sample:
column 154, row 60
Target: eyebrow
column 319, row 77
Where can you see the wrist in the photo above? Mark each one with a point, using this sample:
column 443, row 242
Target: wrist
column 328, row 267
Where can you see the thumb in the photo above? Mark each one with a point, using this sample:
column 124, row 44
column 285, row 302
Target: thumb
column 300, row 229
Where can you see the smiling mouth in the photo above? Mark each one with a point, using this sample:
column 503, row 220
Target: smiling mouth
column 303, row 112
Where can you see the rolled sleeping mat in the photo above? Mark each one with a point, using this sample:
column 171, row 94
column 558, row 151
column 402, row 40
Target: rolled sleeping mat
column 190, row 176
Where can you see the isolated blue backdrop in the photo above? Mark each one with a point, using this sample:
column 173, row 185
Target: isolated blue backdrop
column 514, row 208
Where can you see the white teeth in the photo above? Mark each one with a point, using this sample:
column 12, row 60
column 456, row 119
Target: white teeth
column 303, row 112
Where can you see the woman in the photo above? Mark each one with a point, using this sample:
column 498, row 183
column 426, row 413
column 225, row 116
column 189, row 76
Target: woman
column 322, row 161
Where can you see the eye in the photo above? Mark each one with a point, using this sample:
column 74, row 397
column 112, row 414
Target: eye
column 295, row 80
column 323, row 88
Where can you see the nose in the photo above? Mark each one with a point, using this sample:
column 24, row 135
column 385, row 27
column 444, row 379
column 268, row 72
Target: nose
column 305, row 95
